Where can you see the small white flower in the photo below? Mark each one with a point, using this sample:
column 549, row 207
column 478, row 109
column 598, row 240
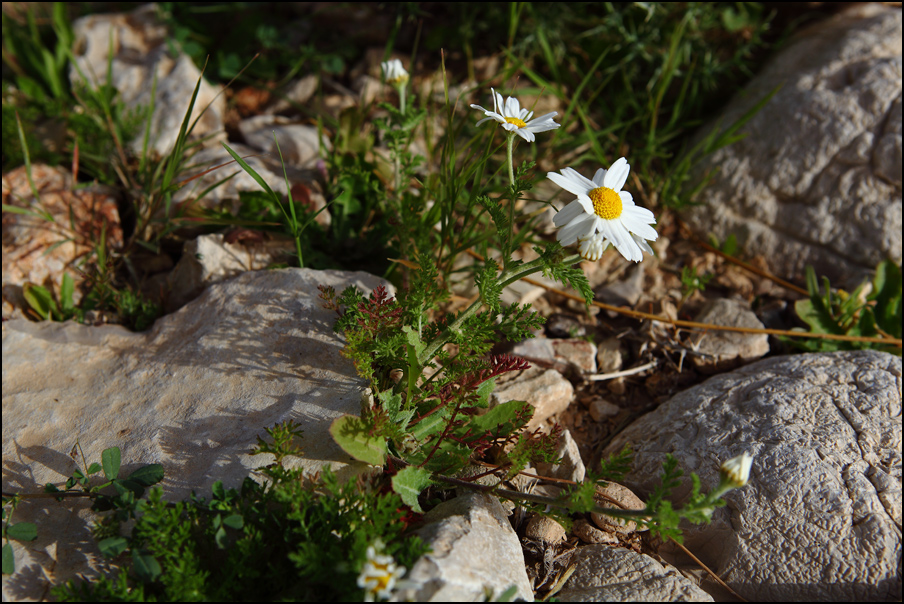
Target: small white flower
column 379, row 575
column 393, row 72
column 603, row 214
column 737, row 470
column 515, row 119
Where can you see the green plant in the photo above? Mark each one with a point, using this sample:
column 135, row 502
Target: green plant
column 864, row 312
column 691, row 281
column 288, row 537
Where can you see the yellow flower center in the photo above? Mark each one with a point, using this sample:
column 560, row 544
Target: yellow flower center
column 516, row 121
column 606, row 203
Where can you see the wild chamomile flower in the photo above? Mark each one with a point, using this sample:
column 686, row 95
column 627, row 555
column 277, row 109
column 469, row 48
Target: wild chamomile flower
column 379, row 575
column 736, row 471
column 515, row 119
column 603, row 214
column 394, row 73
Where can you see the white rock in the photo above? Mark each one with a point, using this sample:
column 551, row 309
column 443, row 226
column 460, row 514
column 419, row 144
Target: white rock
column 571, row 466
column 817, row 179
column 546, row 391
column 140, row 51
column 820, row 518
column 607, row 574
column 723, row 350
column 193, row 394
column 209, row 259
column 474, row 549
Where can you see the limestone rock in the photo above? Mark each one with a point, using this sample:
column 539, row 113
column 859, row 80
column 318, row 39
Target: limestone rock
column 140, row 51
column 607, row 574
column 571, row 467
column 298, row 143
column 723, row 350
column 545, row 529
column 820, row 518
column 608, row 356
column 614, row 495
column 546, row 391
column 579, row 354
column 474, row 549
column 193, row 394
column 210, row 259
column 817, row 180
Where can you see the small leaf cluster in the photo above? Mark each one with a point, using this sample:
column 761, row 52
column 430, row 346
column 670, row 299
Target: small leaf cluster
column 292, row 537
column 876, row 313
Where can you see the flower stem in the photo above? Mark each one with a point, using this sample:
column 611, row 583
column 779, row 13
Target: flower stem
column 509, row 145
column 401, row 89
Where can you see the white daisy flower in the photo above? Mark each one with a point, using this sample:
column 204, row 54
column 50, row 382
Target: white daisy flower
column 379, row 575
column 736, row 471
column 515, row 119
column 603, row 214
column 393, row 72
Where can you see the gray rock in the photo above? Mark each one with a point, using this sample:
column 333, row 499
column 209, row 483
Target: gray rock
column 608, row 356
column 475, row 550
column 546, row 391
column 607, row 574
column 723, row 350
column 817, row 180
column 140, row 51
column 820, row 518
column 571, row 466
column 193, row 394
column 298, row 143
column 209, row 259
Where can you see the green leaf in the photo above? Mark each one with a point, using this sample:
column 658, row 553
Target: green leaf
column 499, row 416
column 67, row 289
column 409, row 483
column 9, row 560
column 235, row 521
column 887, row 294
column 147, row 475
column 146, row 566
column 92, row 469
column 22, row 531
column 350, row 433
column 220, row 537
column 111, row 460
column 40, row 300
column 112, row 546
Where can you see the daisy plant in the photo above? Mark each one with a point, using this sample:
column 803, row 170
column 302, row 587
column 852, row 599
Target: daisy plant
column 516, row 120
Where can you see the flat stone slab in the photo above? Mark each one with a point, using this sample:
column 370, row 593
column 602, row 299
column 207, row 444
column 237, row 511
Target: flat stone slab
column 820, row 518
column 193, row 394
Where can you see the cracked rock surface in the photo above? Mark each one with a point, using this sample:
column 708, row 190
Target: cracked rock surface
column 817, row 180
column 820, row 518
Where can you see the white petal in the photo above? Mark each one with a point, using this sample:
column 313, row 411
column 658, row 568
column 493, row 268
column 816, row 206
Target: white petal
column 567, row 182
column 626, row 198
column 617, row 175
column 592, row 249
column 599, row 177
column 625, row 242
column 568, row 213
column 643, row 245
column 526, row 134
column 512, row 107
column 498, row 105
column 580, row 227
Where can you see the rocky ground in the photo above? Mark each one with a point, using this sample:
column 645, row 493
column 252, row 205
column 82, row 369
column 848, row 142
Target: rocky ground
column 817, row 181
